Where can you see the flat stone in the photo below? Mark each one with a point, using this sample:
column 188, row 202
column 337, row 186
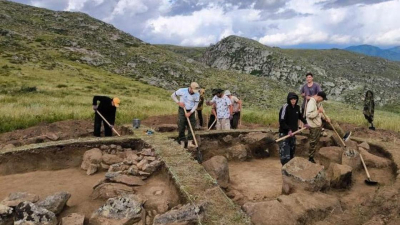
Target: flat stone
column 124, row 179
column 131, row 156
column 28, row 213
column 152, row 167
column 147, row 152
column 339, row 175
column 141, row 164
column 111, row 190
column 104, row 147
column 15, row 198
column 187, row 214
column 55, row 203
column 73, row 219
column 92, row 169
column 118, row 167
column 52, row 136
column 364, row 145
column 301, row 174
column 218, row 168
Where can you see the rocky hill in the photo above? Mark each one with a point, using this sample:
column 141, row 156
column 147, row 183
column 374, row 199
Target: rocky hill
column 391, row 53
column 51, row 39
column 344, row 75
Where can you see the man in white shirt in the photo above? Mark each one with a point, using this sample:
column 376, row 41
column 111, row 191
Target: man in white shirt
column 189, row 99
column 224, row 110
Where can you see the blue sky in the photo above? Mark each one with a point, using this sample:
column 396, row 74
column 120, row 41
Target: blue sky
column 282, row 23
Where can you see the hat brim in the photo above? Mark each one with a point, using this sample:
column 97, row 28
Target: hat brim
column 195, row 90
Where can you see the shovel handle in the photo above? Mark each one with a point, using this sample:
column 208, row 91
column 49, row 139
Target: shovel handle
column 212, row 124
column 191, row 129
column 287, row 136
column 108, row 123
column 341, row 140
column 365, row 167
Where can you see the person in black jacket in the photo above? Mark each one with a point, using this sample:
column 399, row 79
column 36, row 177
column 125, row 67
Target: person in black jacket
column 107, row 108
column 289, row 117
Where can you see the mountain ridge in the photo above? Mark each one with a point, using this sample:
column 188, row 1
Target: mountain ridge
column 370, row 50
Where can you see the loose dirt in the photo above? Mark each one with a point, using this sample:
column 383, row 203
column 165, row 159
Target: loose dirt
column 256, row 180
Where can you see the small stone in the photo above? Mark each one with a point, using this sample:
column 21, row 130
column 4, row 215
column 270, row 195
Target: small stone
column 147, row 152
column 104, row 147
column 92, row 169
column 111, row 190
column 111, row 159
column 118, row 167
column 141, row 164
column 133, row 170
column 124, row 179
column 52, row 136
column 55, row 203
column 113, row 146
column 119, row 148
column 8, row 147
column 104, row 166
column 158, row 192
column 15, row 198
column 364, row 145
column 150, row 158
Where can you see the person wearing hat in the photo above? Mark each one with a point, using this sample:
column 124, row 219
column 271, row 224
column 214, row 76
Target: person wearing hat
column 200, row 107
column 224, row 110
column 108, row 108
column 289, row 116
column 237, row 107
column 314, row 115
column 189, row 99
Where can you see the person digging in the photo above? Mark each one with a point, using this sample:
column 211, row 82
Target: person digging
column 289, row 115
column 107, row 109
column 188, row 99
column 314, row 116
column 212, row 120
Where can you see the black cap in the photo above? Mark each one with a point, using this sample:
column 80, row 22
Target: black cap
column 322, row 94
column 219, row 90
column 214, row 91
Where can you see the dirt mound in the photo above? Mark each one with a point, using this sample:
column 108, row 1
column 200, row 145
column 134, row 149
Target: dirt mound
column 364, row 132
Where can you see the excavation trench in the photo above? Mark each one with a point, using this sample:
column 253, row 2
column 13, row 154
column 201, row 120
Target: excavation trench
column 255, row 176
column 52, row 168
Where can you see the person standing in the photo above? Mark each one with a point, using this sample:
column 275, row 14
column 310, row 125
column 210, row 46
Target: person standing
column 289, row 116
column 237, row 107
column 200, row 107
column 314, row 115
column 369, row 108
column 308, row 90
column 213, row 114
column 189, row 99
column 107, row 108
column 224, row 110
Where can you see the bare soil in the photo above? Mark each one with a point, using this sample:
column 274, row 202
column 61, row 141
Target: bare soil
column 80, row 186
column 379, row 134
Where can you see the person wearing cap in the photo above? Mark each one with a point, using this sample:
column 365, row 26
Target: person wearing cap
column 108, row 108
column 237, row 107
column 289, row 116
column 308, row 90
column 314, row 115
column 224, row 110
column 189, row 99
column 200, row 107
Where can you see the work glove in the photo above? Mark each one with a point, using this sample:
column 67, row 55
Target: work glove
column 307, row 126
column 95, row 107
column 291, row 133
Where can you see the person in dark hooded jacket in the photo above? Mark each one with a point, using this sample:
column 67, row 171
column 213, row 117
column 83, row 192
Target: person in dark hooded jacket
column 369, row 108
column 289, row 116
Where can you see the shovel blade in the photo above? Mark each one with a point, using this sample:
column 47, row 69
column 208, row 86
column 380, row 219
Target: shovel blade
column 370, row 182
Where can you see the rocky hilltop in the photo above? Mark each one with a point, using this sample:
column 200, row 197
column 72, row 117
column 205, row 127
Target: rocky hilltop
column 344, row 75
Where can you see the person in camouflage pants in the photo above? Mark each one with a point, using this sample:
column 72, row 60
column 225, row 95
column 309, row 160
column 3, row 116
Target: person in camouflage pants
column 369, row 108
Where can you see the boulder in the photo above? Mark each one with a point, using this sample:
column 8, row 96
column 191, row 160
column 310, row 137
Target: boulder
column 126, row 209
column 131, row 156
column 328, row 155
column 325, row 141
column 166, row 127
column 151, row 167
column 187, row 214
column 142, row 163
column 133, row 170
column 92, row 156
column 300, row 174
column 15, row 198
column 110, row 159
column 124, row 179
column 111, row 190
column 364, row 145
column 265, row 212
column 218, row 168
column 237, row 152
column 29, row 213
column 73, row 219
column 228, row 139
column 92, row 169
column 352, row 160
column 6, row 215
column 55, row 203
column 339, row 175
column 147, row 152
column 372, row 160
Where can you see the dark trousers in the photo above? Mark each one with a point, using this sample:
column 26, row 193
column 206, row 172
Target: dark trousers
column 97, row 126
column 235, row 120
column 183, row 124
column 287, row 148
column 211, row 121
column 200, row 115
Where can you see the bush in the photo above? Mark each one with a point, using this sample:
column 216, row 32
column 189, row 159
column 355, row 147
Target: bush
column 27, row 89
column 62, row 86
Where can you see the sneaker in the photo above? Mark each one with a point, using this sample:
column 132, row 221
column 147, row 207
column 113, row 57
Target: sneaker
column 372, row 128
column 311, row 159
column 347, row 136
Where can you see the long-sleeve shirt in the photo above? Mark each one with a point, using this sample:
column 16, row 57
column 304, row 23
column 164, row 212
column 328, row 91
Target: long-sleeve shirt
column 105, row 107
column 314, row 118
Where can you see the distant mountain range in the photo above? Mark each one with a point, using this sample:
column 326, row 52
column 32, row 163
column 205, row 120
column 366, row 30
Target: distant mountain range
column 391, row 53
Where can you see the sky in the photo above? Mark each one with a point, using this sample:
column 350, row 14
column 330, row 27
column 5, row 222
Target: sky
column 282, row 23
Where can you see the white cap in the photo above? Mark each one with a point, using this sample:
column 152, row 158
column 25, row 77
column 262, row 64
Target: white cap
column 195, row 87
column 227, row 92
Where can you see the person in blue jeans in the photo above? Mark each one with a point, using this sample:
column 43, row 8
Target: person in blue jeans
column 289, row 115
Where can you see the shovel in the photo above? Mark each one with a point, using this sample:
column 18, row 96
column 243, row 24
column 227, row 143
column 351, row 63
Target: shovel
column 367, row 181
column 199, row 155
column 108, row 123
column 349, row 152
column 213, row 123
